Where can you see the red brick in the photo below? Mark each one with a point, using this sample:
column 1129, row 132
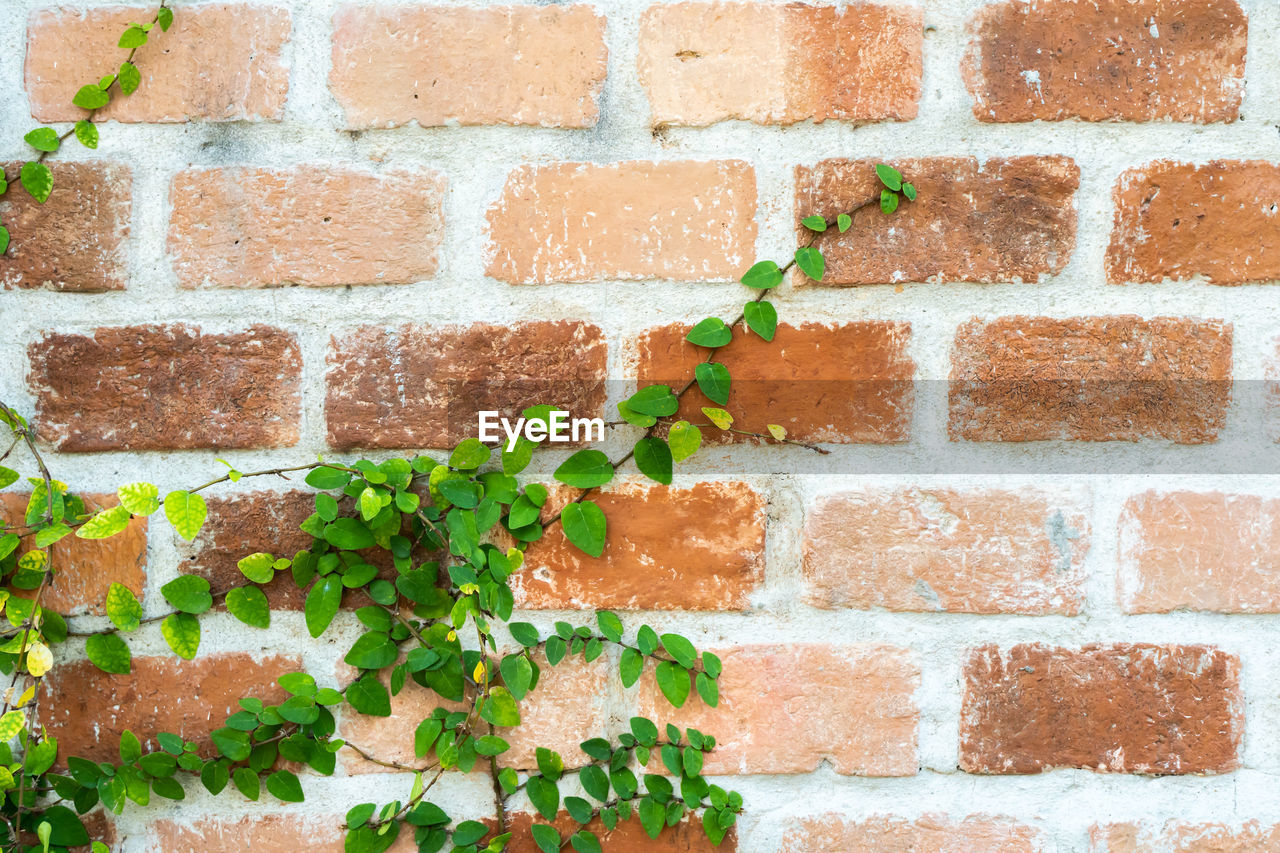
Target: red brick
column 706, row 62
column 319, row 226
column 84, row 569
column 87, row 709
column 1215, row 221
column 845, row 384
column 989, row 551
column 1181, row 60
column 628, row 837
column 419, row 386
column 1010, row 219
column 929, row 834
column 76, row 241
column 1124, row 708
column 1116, row 378
column 682, row 220
column 787, row 709
column 700, row 548
column 438, row 65
column 262, row 833
column 219, row 62
column 1181, row 837
column 166, row 388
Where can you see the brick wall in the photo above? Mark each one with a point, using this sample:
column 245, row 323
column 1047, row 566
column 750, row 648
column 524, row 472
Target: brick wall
column 1029, row 601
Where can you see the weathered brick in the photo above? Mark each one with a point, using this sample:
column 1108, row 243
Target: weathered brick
column 1182, row 837
column 989, row 551
column 932, row 833
column 697, row 548
column 787, row 709
column 266, row 833
column 319, row 226
column 1177, row 220
column 846, row 383
column 1124, row 708
column 683, row 220
column 1010, row 219
column 84, row 569
column 628, row 837
column 1181, row 60
column 1090, row 379
column 437, row 65
column 76, row 241
column 706, row 62
column 87, row 709
column 166, row 387
column 419, row 386
column 218, row 62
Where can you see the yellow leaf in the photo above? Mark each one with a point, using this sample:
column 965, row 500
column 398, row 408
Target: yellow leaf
column 39, row 659
column 719, row 417
column 478, row 675
column 780, row 433
column 27, row 696
column 516, row 557
column 10, row 724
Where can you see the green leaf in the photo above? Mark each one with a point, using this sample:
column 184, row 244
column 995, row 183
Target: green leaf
column 673, row 681
column 888, row 201
column 811, row 262
column 585, row 469
column 91, row 97
column 909, row 191
column 585, row 526
column 40, row 757
column 711, row 825
column 373, row 650
column 630, row 667
column 633, row 417
column 109, row 653
column 164, row 17
column 105, row 524
column 814, row 223
column 469, row 455
column 763, row 275
column 43, row 139
column 708, row 689
column 844, row 222
column 259, row 567
column 65, row 828
column 4, row 239
column 186, row 512
column 610, row 625
column 249, row 605
column 653, row 816
column 247, row 782
column 285, row 786
column 684, row 439
column 546, row 837
column 713, row 381
column 711, row 663
column 889, row 176
column 214, row 776
column 123, row 608
column 189, row 593
column 349, row 534
column 182, row 632
column 491, row 745
column 762, row 318
column 654, row 400
column 711, row 332
column 654, row 459
column 37, row 180
column 368, row 696
column 325, row 477
column 133, row 37
column 139, row 498
column 322, row 604
column 680, row 649
column 595, row 781
column 129, row 78
column 544, row 795
column 647, row 640
column 523, row 633
column 370, row 503
column 500, row 708
column 585, row 841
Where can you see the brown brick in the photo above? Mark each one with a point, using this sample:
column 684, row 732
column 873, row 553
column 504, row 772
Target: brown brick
column 1215, row 221
column 628, row 837
column 932, row 833
column 218, row 62
column 84, row 569
column 846, row 383
column 1124, row 708
column 1090, row 379
column 1010, row 220
column 787, row 709
column 1182, row 837
column 87, row 709
column 419, row 386
column 682, row 220
column 166, row 387
column 988, row 551
column 700, row 548
column 1181, row 60
column 76, row 241
column 264, row 833
column 537, row 65
column 706, row 62
column 319, row 226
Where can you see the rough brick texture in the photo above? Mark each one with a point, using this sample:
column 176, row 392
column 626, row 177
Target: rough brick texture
column 1117, row 708
column 989, row 551
column 1216, row 221
column 436, row 65
column 269, row 833
column 929, row 834
column 1181, row 837
column 218, row 62
column 308, row 225
column 1008, row 219
column 789, row 708
column 1090, row 379
column 166, row 387
column 78, row 239
column 698, row 548
column 419, row 386
column 683, row 220
column 706, row 62
column 1181, row 60
column 844, row 383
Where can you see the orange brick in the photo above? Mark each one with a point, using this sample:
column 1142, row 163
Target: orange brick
column 1181, row 60
column 1181, row 837
column 706, row 62
column 218, row 62
column 266, row 833
column 929, row 834
column 1117, row 378
column 629, row 836
column 850, row 705
column 990, row 551
column 437, row 65
column 683, row 220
